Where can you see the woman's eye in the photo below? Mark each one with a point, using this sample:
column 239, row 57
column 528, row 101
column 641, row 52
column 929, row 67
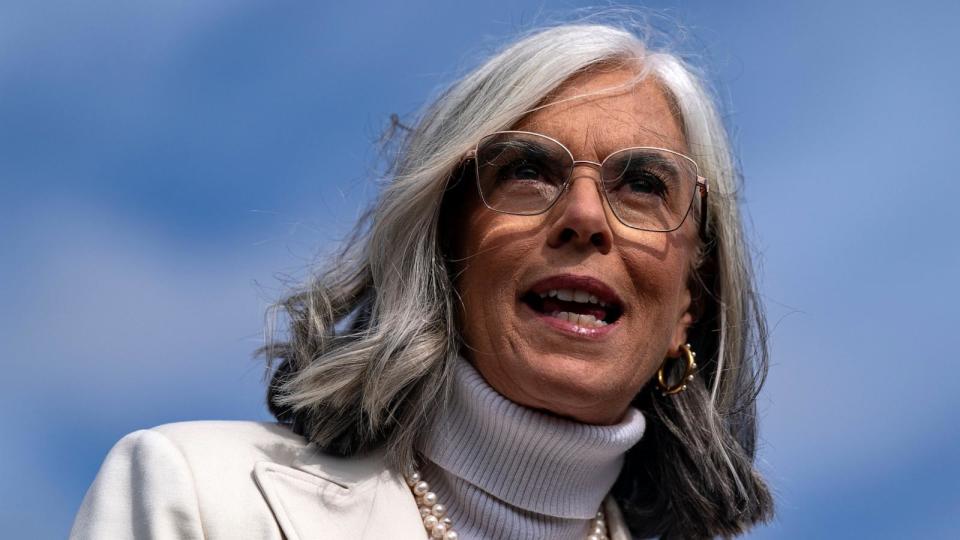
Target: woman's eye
column 645, row 182
column 522, row 171
column 526, row 172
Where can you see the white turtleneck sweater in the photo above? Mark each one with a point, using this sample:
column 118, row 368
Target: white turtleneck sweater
column 507, row 471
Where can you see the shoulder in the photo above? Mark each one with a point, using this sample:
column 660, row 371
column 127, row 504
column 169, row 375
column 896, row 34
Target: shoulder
column 187, row 480
column 218, row 449
column 214, row 431
column 227, row 442
column 237, row 480
column 209, row 451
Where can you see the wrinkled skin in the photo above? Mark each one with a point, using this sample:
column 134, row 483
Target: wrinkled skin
column 499, row 257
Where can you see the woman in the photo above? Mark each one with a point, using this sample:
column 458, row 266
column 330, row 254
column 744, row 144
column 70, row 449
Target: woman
column 545, row 329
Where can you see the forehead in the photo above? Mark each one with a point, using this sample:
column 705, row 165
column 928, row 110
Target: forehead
column 599, row 112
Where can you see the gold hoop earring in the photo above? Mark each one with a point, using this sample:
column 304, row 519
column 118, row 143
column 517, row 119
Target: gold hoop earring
column 667, row 390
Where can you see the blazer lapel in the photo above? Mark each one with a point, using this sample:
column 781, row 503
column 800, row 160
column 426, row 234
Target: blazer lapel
column 319, row 497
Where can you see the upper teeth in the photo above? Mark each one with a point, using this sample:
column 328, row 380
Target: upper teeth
column 573, row 295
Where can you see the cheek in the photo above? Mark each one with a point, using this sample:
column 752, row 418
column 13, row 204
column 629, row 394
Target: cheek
column 491, row 257
column 659, row 275
column 494, row 248
column 663, row 284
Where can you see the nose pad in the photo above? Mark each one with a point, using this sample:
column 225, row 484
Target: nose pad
column 584, row 187
column 583, row 219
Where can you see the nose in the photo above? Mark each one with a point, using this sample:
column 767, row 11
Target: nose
column 581, row 220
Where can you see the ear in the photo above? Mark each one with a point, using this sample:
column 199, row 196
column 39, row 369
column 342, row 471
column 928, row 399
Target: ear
column 684, row 322
column 452, row 209
column 689, row 312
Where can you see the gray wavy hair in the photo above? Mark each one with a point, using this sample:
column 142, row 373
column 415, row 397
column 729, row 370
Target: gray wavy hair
column 371, row 339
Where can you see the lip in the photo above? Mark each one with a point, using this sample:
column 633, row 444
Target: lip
column 589, row 284
column 569, row 328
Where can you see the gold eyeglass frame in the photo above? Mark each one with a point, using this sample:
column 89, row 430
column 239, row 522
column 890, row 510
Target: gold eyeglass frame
column 701, row 183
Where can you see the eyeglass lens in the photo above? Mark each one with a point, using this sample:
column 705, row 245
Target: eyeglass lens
column 525, row 173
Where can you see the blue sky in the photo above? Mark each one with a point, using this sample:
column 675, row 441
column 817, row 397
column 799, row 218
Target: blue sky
column 165, row 168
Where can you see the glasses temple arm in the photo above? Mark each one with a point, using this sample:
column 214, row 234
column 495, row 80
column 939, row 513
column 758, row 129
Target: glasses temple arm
column 704, row 190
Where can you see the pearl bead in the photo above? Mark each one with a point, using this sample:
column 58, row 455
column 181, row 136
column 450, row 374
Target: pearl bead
column 441, row 528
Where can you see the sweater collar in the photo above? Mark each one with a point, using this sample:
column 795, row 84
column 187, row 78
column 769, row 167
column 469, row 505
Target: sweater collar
column 529, row 459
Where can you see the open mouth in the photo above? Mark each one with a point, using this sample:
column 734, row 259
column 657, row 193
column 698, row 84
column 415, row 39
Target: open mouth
column 583, row 302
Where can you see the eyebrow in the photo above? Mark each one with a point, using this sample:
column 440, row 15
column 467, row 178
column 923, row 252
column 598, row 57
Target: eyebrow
column 663, row 162
column 532, row 147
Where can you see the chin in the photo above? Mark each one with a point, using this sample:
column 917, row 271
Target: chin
column 572, row 386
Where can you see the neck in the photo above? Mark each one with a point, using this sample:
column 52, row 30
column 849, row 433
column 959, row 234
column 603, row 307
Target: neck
column 508, row 471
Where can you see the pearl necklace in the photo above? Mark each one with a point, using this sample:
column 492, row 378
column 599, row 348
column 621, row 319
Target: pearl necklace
column 440, row 527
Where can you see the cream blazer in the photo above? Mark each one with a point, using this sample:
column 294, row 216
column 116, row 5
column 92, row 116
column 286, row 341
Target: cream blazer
column 240, row 480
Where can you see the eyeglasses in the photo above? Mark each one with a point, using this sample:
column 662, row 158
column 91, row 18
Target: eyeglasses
column 650, row 189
